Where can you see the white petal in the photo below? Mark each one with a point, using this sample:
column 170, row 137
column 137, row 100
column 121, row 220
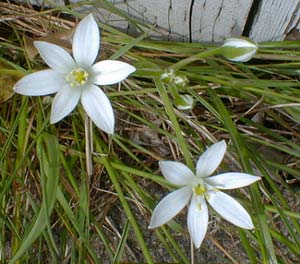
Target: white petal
column 56, row 57
column 230, row 209
column 110, row 71
column 244, row 58
column 176, row 172
column 98, row 107
column 231, row 180
column 239, row 43
column 64, row 102
column 197, row 220
column 170, row 206
column 86, row 42
column 40, row 83
column 211, row 159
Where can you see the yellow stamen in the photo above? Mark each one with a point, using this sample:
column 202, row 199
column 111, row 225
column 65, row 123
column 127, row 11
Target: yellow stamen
column 200, row 189
column 77, row 77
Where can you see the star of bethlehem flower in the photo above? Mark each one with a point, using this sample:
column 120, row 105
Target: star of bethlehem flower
column 199, row 188
column 76, row 78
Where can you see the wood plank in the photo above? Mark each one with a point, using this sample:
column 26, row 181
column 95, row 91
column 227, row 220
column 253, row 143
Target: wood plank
column 210, row 20
column 43, row 2
column 170, row 15
column 275, row 19
column 216, row 20
column 203, row 20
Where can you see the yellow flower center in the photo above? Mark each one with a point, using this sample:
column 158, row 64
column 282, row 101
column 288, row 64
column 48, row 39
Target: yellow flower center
column 77, row 77
column 199, row 189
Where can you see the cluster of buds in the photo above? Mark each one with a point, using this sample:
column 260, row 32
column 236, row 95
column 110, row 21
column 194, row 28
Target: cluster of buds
column 233, row 49
column 168, row 76
column 177, row 82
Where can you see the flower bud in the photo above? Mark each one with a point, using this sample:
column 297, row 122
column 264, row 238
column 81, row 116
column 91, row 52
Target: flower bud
column 180, row 81
column 167, row 76
column 184, row 102
column 239, row 49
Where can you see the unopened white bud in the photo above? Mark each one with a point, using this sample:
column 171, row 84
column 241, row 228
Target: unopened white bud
column 168, row 76
column 239, row 49
column 180, row 81
column 184, row 102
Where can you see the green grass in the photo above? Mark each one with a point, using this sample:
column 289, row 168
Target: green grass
column 50, row 212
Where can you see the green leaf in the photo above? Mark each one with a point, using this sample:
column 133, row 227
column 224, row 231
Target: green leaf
column 48, row 155
column 262, row 231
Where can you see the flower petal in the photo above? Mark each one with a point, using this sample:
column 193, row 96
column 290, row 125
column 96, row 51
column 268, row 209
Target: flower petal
column 56, row 57
column 176, row 172
column 230, row 209
column 110, row 71
column 231, row 180
column 197, row 220
column 210, row 160
column 98, row 107
column 40, row 83
column 244, row 58
column 86, row 42
column 170, row 206
column 239, row 43
column 64, row 102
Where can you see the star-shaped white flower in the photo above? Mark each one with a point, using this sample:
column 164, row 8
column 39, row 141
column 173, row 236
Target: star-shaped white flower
column 76, row 78
column 200, row 188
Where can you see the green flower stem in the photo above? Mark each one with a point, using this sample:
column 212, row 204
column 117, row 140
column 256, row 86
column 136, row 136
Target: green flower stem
column 170, row 111
column 88, row 146
column 174, row 91
column 192, row 251
column 112, row 174
column 199, row 56
column 85, row 181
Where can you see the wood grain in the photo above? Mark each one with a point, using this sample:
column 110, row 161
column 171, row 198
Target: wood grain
column 275, row 19
column 204, row 20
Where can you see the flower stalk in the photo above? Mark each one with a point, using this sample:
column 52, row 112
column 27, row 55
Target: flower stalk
column 199, row 56
column 88, row 146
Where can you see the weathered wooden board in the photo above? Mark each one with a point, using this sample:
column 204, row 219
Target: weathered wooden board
column 198, row 20
column 215, row 20
column 205, row 20
column 275, row 19
column 42, row 2
column 170, row 16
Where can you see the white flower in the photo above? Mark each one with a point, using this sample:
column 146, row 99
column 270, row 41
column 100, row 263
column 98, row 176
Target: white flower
column 239, row 49
column 74, row 78
column 200, row 188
